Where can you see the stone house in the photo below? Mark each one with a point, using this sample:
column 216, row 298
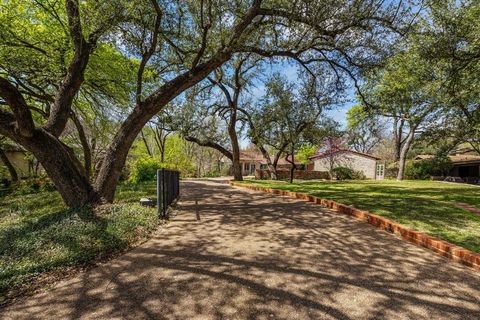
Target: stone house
column 371, row 166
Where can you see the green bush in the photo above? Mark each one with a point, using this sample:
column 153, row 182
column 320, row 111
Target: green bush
column 346, row 173
column 359, row 175
column 417, row 170
column 440, row 165
column 144, row 169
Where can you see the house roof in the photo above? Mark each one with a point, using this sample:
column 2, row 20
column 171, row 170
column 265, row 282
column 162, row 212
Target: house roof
column 461, row 151
column 336, row 151
column 255, row 156
column 456, row 159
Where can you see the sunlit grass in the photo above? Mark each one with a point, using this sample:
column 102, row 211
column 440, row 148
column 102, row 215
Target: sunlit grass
column 425, row 206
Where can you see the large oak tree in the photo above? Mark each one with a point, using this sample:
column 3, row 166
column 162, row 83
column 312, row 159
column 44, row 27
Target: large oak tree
column 47, row 48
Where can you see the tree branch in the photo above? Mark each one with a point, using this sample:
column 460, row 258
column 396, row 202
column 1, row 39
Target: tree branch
column 149, row 53
column 211, row 144
column 60, row 110
column 18, row 105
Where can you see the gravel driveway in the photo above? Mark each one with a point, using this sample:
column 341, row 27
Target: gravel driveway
column 247, row 255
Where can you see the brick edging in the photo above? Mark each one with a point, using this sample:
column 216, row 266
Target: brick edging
column 441, row 247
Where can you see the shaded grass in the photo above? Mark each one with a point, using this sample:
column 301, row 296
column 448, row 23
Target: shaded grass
column 39, row 234
column 426, row 206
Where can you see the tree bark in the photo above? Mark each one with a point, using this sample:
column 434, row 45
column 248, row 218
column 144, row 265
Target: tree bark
column 398, row 136
column 268, row 159
column 292, row 162
column 62, row 167
column 403, row 154
column 232, row 133
column 145, row 142
column 87, row 152
column 9, row 165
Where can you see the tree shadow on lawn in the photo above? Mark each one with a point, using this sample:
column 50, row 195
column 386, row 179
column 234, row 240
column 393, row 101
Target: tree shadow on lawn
column 60, row 239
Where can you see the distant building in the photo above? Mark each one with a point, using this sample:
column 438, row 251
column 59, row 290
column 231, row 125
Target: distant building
column 250, row 160
column 17, row 157
column 369, row 165
column 465, row 161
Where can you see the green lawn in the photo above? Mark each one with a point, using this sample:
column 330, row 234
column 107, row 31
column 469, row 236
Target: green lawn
column 38, row 234
column 422, row 205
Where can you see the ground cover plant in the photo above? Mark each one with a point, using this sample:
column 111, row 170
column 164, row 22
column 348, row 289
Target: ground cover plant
column 40, row 235
column 426, row 206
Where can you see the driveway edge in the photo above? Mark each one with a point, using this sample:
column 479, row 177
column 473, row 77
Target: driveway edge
column 441, row 247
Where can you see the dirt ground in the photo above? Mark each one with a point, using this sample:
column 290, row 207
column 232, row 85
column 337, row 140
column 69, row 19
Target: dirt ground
column 235, row 254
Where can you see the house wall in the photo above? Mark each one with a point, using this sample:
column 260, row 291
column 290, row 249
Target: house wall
column 247, row 167
column 17, row 158
column 351, row 160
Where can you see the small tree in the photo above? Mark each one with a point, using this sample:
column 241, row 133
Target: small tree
column 364, row 131
column 294, row 114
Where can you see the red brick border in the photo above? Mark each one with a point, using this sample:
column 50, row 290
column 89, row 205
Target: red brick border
column 444, row 248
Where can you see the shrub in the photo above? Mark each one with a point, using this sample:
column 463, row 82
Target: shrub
column 346, row 173
column 359, row 175
column 417, row 170
column 343, row 173
column 439, row 165
column 144, row 169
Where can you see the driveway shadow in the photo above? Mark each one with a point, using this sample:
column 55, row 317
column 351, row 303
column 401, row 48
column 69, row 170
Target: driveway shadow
column 258, row 256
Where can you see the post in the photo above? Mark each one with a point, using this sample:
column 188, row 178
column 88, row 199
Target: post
column 159, row 207
column 168, row 190
column 164, row 193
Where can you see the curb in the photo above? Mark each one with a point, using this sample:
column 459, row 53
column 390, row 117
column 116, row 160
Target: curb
column 441, row 247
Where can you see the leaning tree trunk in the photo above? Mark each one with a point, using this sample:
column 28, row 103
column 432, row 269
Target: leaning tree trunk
column 271, row 166
column 9, row 165
column 63, row 168
column 116, row 155
column 274, row 176
column 403, row 154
